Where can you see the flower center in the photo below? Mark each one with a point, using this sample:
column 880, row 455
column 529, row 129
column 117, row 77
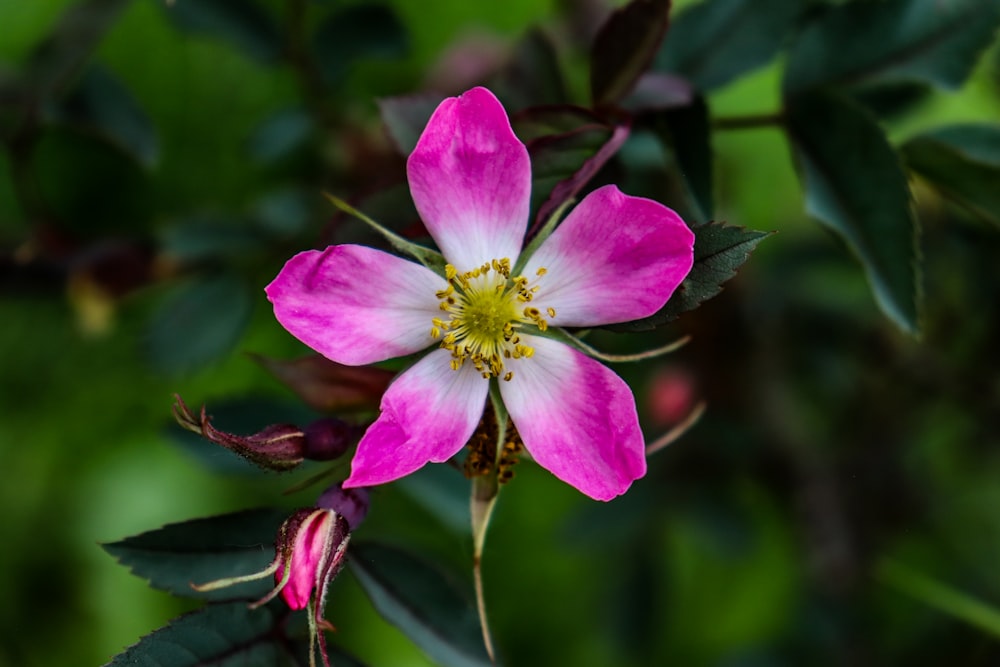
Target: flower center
column 484, row 310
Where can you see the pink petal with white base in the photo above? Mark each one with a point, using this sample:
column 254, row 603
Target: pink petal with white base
column 356, row 305
column 428, row 414
column 614, row 258
column 470, row 178
column 577, row 419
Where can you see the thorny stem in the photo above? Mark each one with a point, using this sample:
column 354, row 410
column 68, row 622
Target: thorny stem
column 749, row 122
column 484, row 496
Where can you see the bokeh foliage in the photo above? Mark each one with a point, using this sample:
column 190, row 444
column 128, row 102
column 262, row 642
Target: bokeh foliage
column 836, row 505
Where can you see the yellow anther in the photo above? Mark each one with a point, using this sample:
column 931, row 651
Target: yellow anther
column 435, row 332
column 541, row 271
column 551, row 311
column 508, row 376
column 450, row 272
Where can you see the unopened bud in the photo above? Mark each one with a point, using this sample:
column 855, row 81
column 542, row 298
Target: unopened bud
column 352, row 504
column 328, row 439
column 277, row 447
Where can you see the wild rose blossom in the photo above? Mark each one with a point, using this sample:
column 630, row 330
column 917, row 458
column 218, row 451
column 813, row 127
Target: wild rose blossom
column 615, row 258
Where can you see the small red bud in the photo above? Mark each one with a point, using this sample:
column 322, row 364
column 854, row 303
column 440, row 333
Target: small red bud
column 352, row 504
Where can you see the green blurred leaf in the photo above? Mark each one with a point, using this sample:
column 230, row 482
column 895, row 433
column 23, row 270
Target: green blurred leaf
column 58, row 58
column 173, row 557
column 422, row 602
column 280, row 134
column 220, row 635
column 855, row 186
column 715, row 41
column 286, row 212
column 624, row 47
column 963, row 162
column 892, row 41
column 941, row 597
column 687, row 133
column 362, row 31
column 242, row 23
column 532, row 76
column 204, row 237
column 198, row 323
column 719, row 251
column 405, row 118
column 102, row 105
column 442, row 491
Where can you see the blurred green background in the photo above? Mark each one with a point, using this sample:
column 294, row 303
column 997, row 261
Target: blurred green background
column 838, row 504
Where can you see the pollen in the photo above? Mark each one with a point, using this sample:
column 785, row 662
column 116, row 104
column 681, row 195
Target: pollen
column 483, row 312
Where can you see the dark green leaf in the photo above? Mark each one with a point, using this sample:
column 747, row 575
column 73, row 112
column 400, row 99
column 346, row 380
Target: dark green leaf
column 422, row 602
column 405, row 118
column 56, row 61
column 442, row 491
column 363, row 31
column 624, row 47
column 532, row 76
column 220, row 635
column 203, row 550
column 279, row 135
column 686, row 131
column 200, row 238
column 287, row 211
column 568, row 146
column 855, row 186
column 719, row 251
column 963, row 162
column 242, row 23
column 715, row 41
column 198, row 323
column 892, row 41
column 103, row 106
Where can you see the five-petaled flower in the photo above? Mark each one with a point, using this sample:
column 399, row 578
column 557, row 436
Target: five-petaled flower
column 615, row 258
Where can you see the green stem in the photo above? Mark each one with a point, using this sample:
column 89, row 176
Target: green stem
column 484, row 497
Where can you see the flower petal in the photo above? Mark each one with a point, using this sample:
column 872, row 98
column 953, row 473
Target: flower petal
column 576, row 417
column 470, row 178
column 356, row 305
column 615, row 258
column 428, row 414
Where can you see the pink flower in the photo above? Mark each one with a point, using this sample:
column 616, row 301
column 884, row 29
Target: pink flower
column 614, row 258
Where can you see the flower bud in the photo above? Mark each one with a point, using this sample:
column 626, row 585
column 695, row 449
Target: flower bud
column 328, row 439
column 309, row 552
column 277, row 447
column 352, row 504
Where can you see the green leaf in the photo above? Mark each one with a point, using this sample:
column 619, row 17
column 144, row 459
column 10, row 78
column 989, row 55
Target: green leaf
column 363, row 31
column 624, row 47
column 280, row 134
column 686, row 131
column 855, row 186
column 173, row 557
column 892, row 41
column 204, row 237
column 220, row 635
column 963, row 162
column 405, row 118
column 243, row 23
column 719, row 251
column 532, row 76
column 716, row 41
column 198, row 323
column 55, row 62
column 102, row 105
column 422, row 602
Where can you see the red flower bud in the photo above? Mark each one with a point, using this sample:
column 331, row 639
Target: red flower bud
column 352, row 504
